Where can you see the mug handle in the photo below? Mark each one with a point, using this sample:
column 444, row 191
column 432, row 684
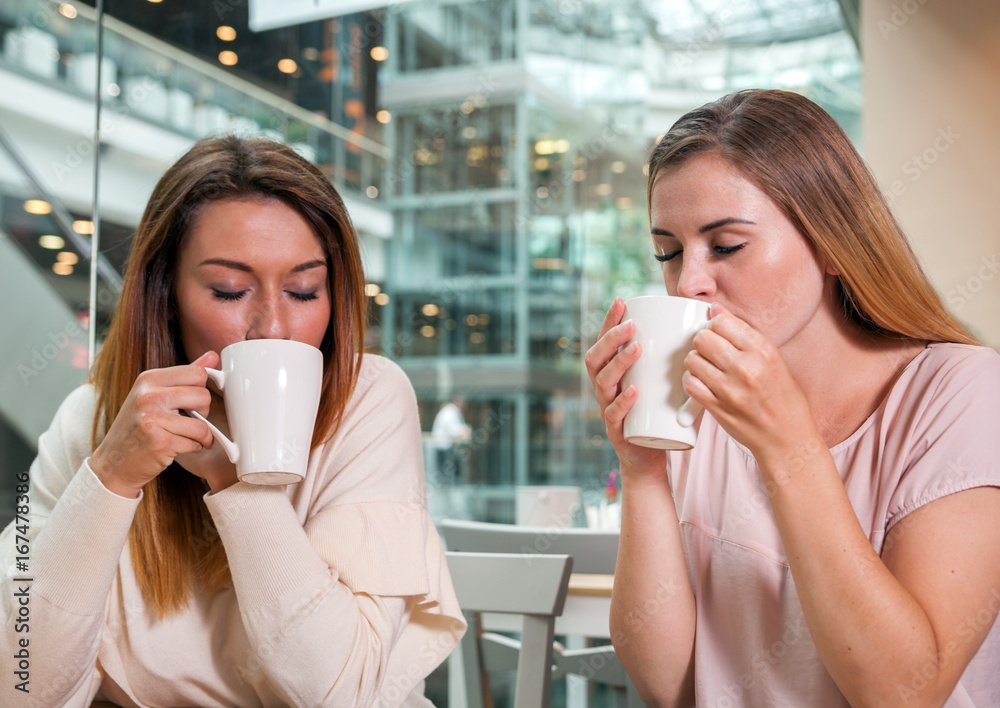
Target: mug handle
column 232, row 451
column 688, row 412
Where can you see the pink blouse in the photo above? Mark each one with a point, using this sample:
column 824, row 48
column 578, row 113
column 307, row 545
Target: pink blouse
column 937, row 432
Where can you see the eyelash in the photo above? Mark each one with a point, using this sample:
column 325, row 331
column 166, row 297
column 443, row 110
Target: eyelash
column 721, row 250
column 233, row 297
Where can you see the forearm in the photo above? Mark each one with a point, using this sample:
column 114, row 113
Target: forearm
column 292, row 604
column 870, row 632
column 55, row 601
column 653, row 608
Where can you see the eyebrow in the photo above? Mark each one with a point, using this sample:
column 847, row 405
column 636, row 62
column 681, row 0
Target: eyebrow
column 707, row 227
column 236, row 265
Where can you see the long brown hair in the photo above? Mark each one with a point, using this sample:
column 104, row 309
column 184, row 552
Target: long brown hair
column 798, row 155
column 173, row 541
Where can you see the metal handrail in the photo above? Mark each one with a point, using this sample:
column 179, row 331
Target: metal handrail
column 61, row 215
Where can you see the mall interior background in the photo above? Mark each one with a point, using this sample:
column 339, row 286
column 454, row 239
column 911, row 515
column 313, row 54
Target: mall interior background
column 490, row 153
column 491, row 156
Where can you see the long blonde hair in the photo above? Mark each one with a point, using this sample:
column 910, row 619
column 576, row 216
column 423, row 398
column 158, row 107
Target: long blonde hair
column 797, row 154
column 173, row 541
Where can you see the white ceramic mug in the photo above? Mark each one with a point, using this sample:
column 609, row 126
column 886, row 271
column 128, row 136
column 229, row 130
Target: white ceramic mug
column 271, row 388
column 662, row 414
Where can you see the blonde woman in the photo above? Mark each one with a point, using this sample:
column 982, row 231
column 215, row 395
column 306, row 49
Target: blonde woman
column 158, row 579
column 833, row 538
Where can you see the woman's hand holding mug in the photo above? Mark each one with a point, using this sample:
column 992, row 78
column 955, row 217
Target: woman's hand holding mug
column 149, row 430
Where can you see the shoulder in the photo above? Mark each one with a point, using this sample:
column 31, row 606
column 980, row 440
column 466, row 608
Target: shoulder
column 379, row 378
column 383, row 395
column 948, row 369
column 75, row 415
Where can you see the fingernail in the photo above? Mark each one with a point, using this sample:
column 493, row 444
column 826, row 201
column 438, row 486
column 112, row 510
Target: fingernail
column 631, row 348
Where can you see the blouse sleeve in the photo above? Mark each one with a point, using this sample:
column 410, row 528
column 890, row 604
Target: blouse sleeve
column 54, row 595
column 347, row 597
column 953, row 429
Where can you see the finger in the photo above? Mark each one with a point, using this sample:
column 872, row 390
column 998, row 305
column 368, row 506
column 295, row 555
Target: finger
column 698, row 390
column 162, row 399
column 209, row 359
column 740, row 334
column 717, row 349
column 606, row 348
column 187, row 430
column 614, row 414
column 608, row 380
column 614, row 316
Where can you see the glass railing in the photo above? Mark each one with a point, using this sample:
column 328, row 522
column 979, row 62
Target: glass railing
column 149, row 80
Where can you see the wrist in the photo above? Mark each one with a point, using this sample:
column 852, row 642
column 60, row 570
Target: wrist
column 109, row 480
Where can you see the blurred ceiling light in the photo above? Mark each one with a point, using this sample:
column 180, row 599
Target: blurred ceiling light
column 623, row 202
column 114, row 89
column 427, row 331
column 477, row 338
column 67, row 257
column 371, row 191
column 468, row 107
column 561, row 145
column 380, row 53
column 618, row 167
column 542, row 163
column 472, row 320
column 228, row 58
column 383, row 116
column 381, row 299
column 545, row 147
column 562, row 342
column 468, row 132
column 548, row 264
column 310, row 54
column 67, row 10
column 579, row 175
column 372, row 289
column 225, row 33
column 602, row 189
column 287, row 66
column 155, row 1
column 542, row 192
column 63, row 268
column 51, row 242
column 83, row 226
column 37, row 206
column 430, row 309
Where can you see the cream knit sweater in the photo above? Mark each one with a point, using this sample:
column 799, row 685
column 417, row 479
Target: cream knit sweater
column 341, row 594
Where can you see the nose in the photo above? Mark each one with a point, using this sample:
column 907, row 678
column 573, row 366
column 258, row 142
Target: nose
column 695, row 279
column 268, row 320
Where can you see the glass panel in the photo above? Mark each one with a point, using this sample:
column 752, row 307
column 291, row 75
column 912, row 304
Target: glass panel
column 457, row 149
column 455, row 322
column 437, row 35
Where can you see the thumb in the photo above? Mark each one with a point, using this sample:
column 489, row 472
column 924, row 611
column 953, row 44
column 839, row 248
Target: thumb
column 209, row 359
column 715, row 309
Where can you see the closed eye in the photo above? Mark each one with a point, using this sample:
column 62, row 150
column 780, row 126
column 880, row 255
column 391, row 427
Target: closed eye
column 228, row 296
column 720, row 250
column 303, row 297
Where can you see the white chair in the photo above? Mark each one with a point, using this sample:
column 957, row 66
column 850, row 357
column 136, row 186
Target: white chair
column 512, row 583
column 593, row 552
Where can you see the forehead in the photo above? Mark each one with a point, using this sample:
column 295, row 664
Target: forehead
column 705, row 186
column 247, row 224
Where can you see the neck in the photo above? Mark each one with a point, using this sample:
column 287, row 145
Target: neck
column 846, row 372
